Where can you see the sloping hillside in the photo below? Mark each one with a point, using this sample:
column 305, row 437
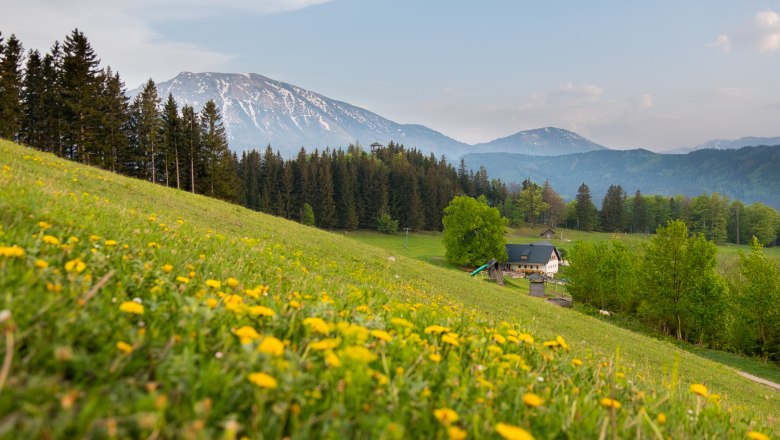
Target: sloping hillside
column 132, row 310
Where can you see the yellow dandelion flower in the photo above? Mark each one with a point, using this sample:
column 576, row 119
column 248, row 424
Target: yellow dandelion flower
column 551, row 344
column 50, row 239
column 499, row 338
column 94, row 237
column 755, row 435
column 455, row 433
column 532, row 400
column 381, row 334
column 271, row 345
column 124, row 347
column 76, row 265
column 495, row 349
column 11, row 251
column 110, row 243
column 512, row 432
column 263, row 380
column 232, row 282
column 247, row 334
column 401, row 322
column 576, row 362
column 212, row 302
column 435, row 357
column 132, row 307
column 332, row 360
column 451, row 338
column 214, row 284
column 525, row 337
column 559, row 339
column 182, row 280
column 698, row 389
column 325, row 344
column 363, row 309
column 316, row 325
column 661, row 418
column 261, row 311
column 714, row 398
column 357, row 353
column 167, row 268
column 294, row 304
column 606, row 402
column 446, row 416
column 513, row 339
column 44, row 225
column 41, row 264
column 436, row 329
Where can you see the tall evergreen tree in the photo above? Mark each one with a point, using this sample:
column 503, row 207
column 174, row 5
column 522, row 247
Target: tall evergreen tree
column 193, row 146
column 215, row 148
column 80, row 87
column 147, row 126
column 171, row 140
column 33, row 125
column 586, row 211
column 11, row 112
column 112, row 134
column 53, row 102
column 639, row 213
column 612, row 209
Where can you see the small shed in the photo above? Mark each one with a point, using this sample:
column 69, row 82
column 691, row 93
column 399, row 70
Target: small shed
column 548, row 234
column 537, row 285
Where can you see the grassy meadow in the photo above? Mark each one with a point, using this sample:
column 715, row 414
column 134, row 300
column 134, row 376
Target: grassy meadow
column 132, row 310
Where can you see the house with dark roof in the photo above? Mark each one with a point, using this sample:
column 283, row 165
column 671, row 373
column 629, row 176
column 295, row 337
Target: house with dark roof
column 540, row 257
column 548, row 234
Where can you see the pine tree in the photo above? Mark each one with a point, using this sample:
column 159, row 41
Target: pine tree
column 147, row 126
column 215, row 147
column 80, row 87
column 612, row 209
column 639, row 213
column 33, row 126
column 192, row 145
column 586, row 211
column 53, row 102
column 11, row 112
column 112, row 134
column 171, row 140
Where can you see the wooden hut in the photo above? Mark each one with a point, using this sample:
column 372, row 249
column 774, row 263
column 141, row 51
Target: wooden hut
column 537, row 285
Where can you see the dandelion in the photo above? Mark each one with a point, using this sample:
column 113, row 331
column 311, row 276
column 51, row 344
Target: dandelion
column 381, row 334
column 576, row 362
column 50, row 239
column 232, row 282
column 525, row 337
column 499, row 338
column 246, row 334
column 76, row 265
column 263, row 380
column 661, row 418
column 316, row 325
column 132, row 307
column 359, row 354
column 11, row 251
column 755, row 435
column 606, row 402
column 110, row 243
column 451, row 338
column 512, row 432
column 435, row 357
column 455, row 433
column 325, row 344
column 294, row 304
column 41, row 264
column 401, row 322
column 445, row 416
column 214, row 284
column 261, row 311
column 167, row 268
column 332, row 360
column 94, row 237
column 532, row 400
column 181, row 280
column 124, row 347
column 436, row 329
column 551, row 344
column 271, row 345
column 211, row 303
column 559, row 339
column 698, row 389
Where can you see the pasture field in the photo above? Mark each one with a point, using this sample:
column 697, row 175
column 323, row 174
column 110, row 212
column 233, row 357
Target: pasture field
column 132, row 310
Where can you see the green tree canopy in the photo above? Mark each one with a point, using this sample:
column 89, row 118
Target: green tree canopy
column 473, row 232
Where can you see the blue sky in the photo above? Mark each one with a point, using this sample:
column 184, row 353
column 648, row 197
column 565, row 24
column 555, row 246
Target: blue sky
column 657, row 75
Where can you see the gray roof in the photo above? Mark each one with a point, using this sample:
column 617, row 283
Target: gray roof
column 536, row 253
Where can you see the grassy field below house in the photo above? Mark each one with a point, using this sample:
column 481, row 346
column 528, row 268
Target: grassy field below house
column 131, row 310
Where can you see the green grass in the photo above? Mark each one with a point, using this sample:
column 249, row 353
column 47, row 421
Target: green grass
column 83, row 365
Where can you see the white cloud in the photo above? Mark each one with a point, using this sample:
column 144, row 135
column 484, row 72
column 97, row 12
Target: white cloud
column 722, row 42
column 123, row 33
column 646, row 100
column 762, row 33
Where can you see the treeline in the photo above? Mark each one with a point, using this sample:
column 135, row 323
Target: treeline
column 716, row 217
column 672, row 286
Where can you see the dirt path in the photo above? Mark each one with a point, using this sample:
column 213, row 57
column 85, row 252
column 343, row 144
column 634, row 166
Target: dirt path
column 760, row 380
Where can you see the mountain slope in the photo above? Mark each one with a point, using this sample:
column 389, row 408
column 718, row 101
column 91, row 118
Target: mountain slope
column 548, row 141
column 257, row 111
column 749, row 174
column 136, row 304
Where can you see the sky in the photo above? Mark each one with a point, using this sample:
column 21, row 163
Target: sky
column 658, row 75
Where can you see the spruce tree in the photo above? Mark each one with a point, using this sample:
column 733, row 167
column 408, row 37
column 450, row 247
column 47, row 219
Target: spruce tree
column 193, row 147
column 612, row 219
column 11, row 113
column 171, row 140
column 53, row 102
column 586, row 211
column 147, row 126
column 215, row 148
column 80, row 88
column 112, row 140
column 32, row 131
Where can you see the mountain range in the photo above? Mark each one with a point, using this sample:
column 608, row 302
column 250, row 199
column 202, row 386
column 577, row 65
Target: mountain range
column 730, row 144
column 257, row 111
